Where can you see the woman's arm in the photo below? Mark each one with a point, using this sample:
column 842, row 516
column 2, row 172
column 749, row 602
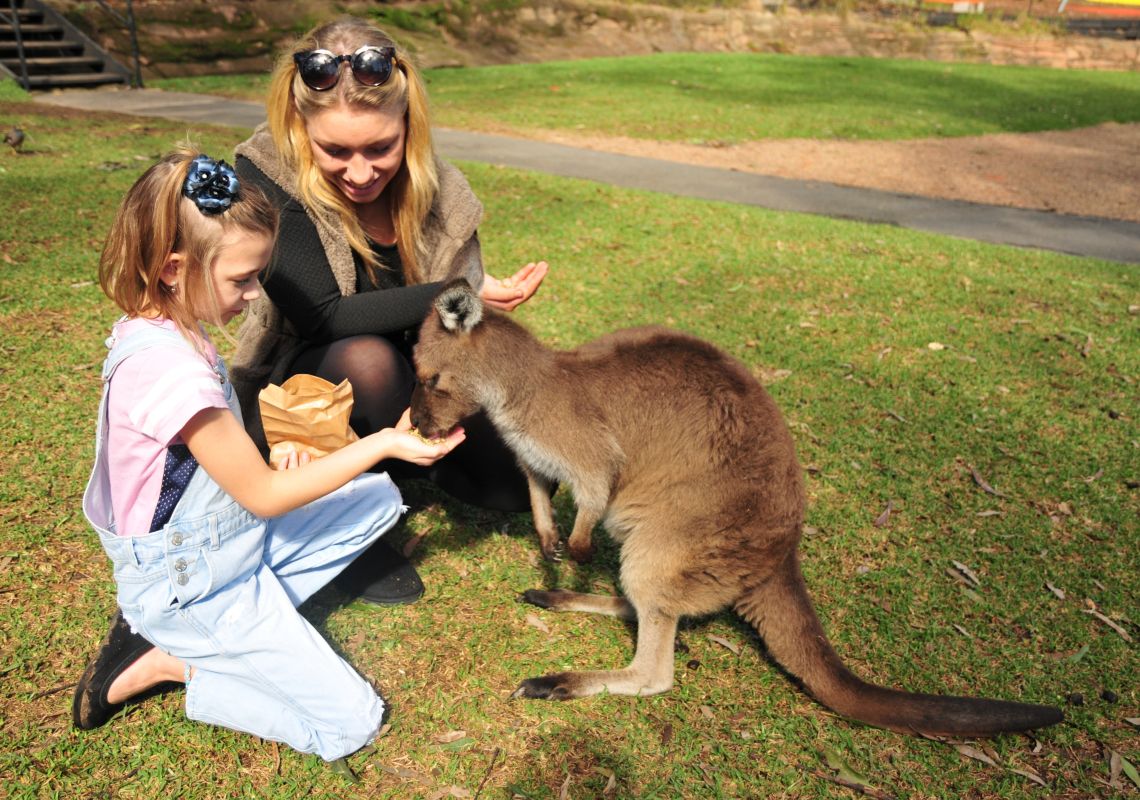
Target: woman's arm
column 223, row 448
column 300, row 283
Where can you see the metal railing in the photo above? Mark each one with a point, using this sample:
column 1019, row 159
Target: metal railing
column 127, row 21
column 12, row 12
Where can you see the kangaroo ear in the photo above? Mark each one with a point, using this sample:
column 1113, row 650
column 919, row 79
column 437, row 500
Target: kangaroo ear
column 460, row 308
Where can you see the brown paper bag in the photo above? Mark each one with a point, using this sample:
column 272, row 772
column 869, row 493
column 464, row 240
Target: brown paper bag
column 307, row 414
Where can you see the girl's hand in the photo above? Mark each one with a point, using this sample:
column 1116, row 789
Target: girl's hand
column 293, row 459
column 507, row 294
column 409, row 446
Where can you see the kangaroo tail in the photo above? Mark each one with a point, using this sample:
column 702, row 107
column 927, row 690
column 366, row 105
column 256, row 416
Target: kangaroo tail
column 782, row 612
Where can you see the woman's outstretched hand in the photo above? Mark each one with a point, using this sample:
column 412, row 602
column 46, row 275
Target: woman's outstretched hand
column 507, row 294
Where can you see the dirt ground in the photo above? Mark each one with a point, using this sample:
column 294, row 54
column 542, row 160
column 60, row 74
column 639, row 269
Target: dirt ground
column 1088, row 172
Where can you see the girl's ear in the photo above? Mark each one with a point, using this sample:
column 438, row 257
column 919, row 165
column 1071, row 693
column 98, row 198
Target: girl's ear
column 172, row 270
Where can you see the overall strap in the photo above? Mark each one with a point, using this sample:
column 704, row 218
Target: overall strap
column 97, row 497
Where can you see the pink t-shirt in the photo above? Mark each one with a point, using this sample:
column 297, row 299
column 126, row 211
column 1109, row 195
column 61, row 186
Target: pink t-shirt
column 152, row 395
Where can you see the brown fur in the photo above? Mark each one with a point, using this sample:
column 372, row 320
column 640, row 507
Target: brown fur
column 686, row 460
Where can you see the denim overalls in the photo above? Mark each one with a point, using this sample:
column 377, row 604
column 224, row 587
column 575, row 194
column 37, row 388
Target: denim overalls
column 218, row 588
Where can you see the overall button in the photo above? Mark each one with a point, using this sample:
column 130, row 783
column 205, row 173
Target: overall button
column 176, row 539
column 183, row 579
column 180, row 565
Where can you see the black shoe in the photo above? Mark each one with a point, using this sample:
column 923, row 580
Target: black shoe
column 381, row 576
column 121, row 648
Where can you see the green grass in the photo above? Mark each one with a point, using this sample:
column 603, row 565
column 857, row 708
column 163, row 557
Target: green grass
column 695, row 97
column 1035, row 389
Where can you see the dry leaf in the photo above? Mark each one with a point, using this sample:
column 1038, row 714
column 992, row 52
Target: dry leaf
column 963, row 631
column 989, row 513
column 767, row 375
column 1114, row 770
column 611, row 782
column 1060, row 593
column 975, row 753
column 1028, row 773
column 882, row 520
column 1123, row 633
column 1133, row 721
column 450, row 736
column 725, row 643
column 936, row 346
column 707, row 712
column 969, row 573
column 564, row 792
column 984, row 484
column 535, row 622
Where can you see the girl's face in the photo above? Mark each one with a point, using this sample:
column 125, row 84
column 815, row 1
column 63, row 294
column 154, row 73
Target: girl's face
column 358, row 150
column 241, row 256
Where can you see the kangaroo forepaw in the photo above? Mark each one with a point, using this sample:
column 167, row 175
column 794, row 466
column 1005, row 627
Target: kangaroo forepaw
column 548, row 687
column 553, row 551
column 582, row 554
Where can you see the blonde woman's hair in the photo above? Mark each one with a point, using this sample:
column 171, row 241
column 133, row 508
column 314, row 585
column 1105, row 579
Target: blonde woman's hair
column 155, row 221
column 414, row 186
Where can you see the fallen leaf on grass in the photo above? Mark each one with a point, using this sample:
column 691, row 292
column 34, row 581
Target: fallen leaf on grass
column 963, row 631
column 983, row 484
column 1123, row 633
column 611, row 782
column 990, row 513
column 707, row 712
column 535, row 622
column 1028, row 773
column 340, row 767
column 884, row 518
column 1118, row 764
column 450, row 791
column 972, row 752
column 847, row 777
column 725, row 643
column 935, row 346
column 450, row 736
column 1133, row 721
column 967, row 572
column 767, row 375
column 1060, row 593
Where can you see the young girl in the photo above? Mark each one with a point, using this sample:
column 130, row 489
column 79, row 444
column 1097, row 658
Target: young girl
column 212, row 550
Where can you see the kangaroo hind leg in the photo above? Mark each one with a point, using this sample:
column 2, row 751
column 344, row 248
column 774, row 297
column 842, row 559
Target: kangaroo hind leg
column 650, row 672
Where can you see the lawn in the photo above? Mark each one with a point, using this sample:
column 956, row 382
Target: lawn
column 730, row 98
column 967, row 416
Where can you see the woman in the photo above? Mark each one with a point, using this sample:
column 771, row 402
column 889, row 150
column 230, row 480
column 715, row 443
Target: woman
column 372, row 223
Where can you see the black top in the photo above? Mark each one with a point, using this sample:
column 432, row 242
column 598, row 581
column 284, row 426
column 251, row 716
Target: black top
column 300, row 282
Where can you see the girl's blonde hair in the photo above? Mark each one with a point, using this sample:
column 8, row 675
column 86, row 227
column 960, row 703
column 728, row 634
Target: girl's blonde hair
column 414, row 185
column 155, row 221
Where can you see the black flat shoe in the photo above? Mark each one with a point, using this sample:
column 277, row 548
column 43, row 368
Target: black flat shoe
column 381, row 576
column 121, row 648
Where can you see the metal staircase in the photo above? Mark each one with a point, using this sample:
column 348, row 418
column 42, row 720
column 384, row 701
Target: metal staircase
column 41, row 50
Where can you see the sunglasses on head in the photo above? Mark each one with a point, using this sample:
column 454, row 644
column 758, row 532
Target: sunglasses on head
column 320, row 69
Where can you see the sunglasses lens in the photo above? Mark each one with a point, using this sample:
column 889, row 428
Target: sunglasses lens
column 372, row 67
column 319, row 71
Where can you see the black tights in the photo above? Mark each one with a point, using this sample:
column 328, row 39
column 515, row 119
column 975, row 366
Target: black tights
column 481, row 471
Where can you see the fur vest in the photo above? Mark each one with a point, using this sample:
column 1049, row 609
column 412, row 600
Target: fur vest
column 268, row 343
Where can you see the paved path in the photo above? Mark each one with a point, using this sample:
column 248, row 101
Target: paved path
column 1112, row 240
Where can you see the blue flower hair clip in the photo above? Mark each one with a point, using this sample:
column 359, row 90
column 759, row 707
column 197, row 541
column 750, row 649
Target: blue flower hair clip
column 212, row 185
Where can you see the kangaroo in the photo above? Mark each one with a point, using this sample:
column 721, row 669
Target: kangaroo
column 685, row 458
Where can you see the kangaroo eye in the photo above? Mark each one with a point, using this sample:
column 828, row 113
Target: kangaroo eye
column 432, row 382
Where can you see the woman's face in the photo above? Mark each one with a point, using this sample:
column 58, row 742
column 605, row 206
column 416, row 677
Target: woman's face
column 358, row 150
